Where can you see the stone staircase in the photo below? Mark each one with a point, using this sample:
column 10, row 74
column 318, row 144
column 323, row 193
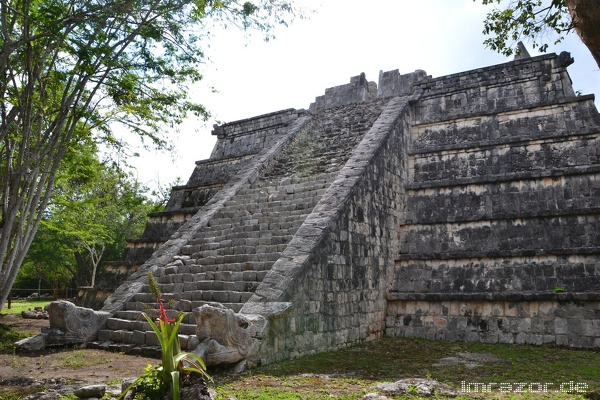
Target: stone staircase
column 227, row 259
column 224, row 262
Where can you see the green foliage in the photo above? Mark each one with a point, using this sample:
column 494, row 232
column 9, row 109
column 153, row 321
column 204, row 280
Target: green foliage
column 49, row 262
column 94, row 208
column 149, row 385
column 174, row 362
column 8, row 337
column 72, row 70
column 534, row 20
column 17, row 306
column 154, row 288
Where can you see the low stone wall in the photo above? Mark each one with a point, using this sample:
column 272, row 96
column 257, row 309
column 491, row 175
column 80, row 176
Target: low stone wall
column 357, row 91
column 558, row 319
column 252, row 135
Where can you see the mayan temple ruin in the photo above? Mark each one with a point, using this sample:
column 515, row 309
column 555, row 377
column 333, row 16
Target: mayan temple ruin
column 462, row 207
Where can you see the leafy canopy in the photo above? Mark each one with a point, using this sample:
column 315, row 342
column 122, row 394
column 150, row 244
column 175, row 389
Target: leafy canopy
column 525, row 19
column 94, row 208
column 71, row 68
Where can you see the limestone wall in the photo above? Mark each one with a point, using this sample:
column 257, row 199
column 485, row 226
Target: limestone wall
column 502, row 210
column 249, row 136
column 532, row 81
column 562, row 320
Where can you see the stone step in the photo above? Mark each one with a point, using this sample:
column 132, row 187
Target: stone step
column 149, row 309
column 244, row 291
column 124, row 340
column 297, row 180
column 133, row 309
column 220, row 296
column 233, row 276
column 233, row 255
column 178, row 306
column 128, row 321
column 294, row 218
column 289, row 212
column 235, row 258
column 232, row 267
column 246, row 253
column 234, row 283
column 225, row 238
column 226, row 272
column 207, row 236
column 219, row 280
column 146, row 296
column 176, row 280
column 288, row 192
column 240, row 245
column 259, row 189
column 245, row 207
column 124, row 324
column 127, row 348
column 254, row 202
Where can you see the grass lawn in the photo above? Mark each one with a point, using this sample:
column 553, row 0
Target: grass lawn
column 351, row 373
column 23, row 305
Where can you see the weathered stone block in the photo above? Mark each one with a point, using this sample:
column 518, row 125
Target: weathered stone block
column 561, row 326
column 118, row 324
column 151, row 338
column 104, row 335
column 506, row 337
column 138, row 337
column 562, row 340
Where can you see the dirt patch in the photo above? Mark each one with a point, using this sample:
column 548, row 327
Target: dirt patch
column 80, row 366
column 31, row 326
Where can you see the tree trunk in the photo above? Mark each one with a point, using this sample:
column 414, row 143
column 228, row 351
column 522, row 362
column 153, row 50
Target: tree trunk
column 586, row 20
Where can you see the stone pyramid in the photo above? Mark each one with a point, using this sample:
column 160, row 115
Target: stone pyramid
column 464, row 207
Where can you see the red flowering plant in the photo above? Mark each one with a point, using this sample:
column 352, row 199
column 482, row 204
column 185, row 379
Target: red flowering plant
column 174, row 362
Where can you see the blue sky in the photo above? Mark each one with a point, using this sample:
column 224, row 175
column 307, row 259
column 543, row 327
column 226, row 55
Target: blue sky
column 341, row 39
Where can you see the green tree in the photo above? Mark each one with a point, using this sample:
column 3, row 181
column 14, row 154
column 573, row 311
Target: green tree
column 49, row 262
column 69, row 68
column 538, row 20
column 94, row 208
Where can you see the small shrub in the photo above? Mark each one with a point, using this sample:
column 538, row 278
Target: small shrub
column 167, row 375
